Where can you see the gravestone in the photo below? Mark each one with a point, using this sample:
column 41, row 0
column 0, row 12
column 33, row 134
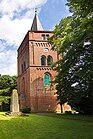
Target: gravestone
column 14, row 107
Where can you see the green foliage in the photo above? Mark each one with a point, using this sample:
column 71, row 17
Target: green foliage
column 7, row 83
column 4, row 99
column 73, row 39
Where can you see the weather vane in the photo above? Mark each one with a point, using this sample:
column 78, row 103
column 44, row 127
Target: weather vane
column 35, row 10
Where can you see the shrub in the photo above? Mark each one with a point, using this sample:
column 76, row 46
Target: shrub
column 68, row 112
column 86, row 105
column 26, row 110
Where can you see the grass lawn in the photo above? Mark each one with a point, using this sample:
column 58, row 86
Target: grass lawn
column 51, row 126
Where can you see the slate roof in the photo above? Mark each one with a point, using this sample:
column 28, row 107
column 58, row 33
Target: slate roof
column 36, row 25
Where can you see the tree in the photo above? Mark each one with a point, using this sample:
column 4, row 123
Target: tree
column 73, row 39
column 59, row 43
column 7, row 83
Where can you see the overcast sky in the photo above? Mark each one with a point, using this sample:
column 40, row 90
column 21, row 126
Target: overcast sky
column 16, row 17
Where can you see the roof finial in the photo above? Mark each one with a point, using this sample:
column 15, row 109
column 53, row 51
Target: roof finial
column 35, row 10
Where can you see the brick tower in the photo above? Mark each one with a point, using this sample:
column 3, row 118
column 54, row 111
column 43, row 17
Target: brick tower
column 34, row 71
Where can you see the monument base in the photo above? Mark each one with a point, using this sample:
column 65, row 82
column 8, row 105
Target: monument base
column 15, row 113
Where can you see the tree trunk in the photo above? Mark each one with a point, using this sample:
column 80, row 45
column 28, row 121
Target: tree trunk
column 61, row 108
column 1, row 107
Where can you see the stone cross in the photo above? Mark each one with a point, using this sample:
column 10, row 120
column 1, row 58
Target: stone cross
column 14, row 107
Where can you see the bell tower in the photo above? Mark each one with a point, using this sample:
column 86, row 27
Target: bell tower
column 34, row 70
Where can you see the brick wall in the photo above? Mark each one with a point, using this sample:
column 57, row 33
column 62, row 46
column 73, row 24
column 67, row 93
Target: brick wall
column 32, row 91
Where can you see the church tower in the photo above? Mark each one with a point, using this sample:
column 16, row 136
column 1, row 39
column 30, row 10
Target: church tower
column 34, row 70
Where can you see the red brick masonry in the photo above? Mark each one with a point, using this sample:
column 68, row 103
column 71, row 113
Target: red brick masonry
column 31, row 89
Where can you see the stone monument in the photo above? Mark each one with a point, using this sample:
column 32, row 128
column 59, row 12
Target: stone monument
column 14, row 107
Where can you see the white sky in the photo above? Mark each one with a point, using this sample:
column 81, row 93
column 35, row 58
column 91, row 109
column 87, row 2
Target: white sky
column 15, row 20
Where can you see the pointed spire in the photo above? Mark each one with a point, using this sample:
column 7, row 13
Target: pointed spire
column 36, row 25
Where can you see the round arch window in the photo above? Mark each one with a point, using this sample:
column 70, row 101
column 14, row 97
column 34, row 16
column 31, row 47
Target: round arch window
column 49, row 60
column 43, row 60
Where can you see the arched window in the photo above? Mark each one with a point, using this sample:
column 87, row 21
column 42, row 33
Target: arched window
column 24, row 66
column 23, row 89
column 49, row 60
column 23, row 84
column 47, row 37
column 43, row 60
column 47, row 79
